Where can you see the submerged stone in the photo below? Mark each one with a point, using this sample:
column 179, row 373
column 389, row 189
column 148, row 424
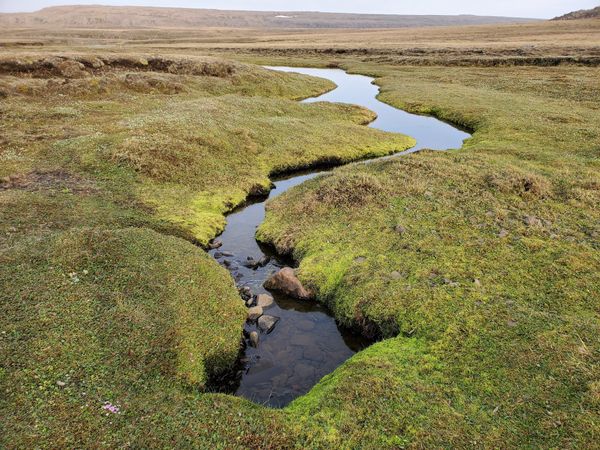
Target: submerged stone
column 254, row 338
column 264, row 300
column 267, row 323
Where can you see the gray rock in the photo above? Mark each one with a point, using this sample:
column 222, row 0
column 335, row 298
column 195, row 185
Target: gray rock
column 215, row 244
column 61, row 383
column 264, row 300
column 252, row 263
column 267, row 323
column 245, row 292
column 227, row 254
column 254, row 339
column 360, row 259
column 399, row 229
column 395, row 275
column 503, row 233
column 254, row 313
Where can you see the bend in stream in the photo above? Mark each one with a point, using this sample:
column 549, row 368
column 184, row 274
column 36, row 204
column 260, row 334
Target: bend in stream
column 306, row 343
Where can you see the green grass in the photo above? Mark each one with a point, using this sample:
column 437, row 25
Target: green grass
column 488, row 301
column 100, row 313
column 102, row 301
column 494, row 282
column 187, row 148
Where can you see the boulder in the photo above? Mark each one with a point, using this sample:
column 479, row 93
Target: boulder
column 254, row 313
column 287, row 282
column 267, row 323
column 264, row 300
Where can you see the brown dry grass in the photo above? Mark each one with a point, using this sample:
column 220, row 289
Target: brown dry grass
column 538, row 38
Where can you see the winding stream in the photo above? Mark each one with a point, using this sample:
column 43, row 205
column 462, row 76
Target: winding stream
column 306, row 343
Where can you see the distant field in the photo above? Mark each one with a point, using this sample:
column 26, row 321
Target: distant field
column 441, row 45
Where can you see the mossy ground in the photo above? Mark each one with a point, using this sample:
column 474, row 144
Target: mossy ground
column 488, row 297
column 187, row 142
column 106, row 166
column 484, row 262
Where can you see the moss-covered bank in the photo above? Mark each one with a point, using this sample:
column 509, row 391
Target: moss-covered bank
column 484, row 262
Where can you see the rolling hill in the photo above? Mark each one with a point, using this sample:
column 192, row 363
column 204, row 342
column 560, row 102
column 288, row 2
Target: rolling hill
column 95, row 16
column 581, row 14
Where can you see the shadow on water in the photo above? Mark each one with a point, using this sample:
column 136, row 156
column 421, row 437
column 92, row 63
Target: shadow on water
column 306, row 343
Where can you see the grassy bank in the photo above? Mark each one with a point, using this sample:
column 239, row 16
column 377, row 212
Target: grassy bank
column 484, row 262
column 111, row 323
column 479, row 267
column 185, row 139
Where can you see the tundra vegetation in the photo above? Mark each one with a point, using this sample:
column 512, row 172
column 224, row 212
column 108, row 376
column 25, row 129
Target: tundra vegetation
column 477, row 269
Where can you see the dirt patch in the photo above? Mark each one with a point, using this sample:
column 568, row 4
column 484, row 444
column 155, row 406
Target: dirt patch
column 518, row 182
column 56, row 180
column 84, row 66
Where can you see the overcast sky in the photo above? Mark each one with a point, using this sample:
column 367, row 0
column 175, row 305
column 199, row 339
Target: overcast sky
column 513, row 8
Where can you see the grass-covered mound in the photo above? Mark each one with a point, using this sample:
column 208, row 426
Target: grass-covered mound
column 100, row 316
column 484, row 262
column 176, row 141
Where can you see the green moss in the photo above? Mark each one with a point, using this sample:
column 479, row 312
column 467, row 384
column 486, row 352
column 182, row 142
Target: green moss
column 192, row 153
column 488, row 298
column 493, row 274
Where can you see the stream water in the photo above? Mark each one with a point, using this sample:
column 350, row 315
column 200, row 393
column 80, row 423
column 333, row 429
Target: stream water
column 307, row 343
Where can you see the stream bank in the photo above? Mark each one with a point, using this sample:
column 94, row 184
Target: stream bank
column 305, row 343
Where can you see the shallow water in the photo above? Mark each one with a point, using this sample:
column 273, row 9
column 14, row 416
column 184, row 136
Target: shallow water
column 307, row 344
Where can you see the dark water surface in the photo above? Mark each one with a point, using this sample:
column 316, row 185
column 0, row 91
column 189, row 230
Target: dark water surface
column 307, row 344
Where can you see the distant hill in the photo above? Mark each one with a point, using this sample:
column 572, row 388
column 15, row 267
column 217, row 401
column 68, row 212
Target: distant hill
column 149, row 17
column 581, row 14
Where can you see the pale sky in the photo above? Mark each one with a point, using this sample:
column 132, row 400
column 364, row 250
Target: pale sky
column 512, row 8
